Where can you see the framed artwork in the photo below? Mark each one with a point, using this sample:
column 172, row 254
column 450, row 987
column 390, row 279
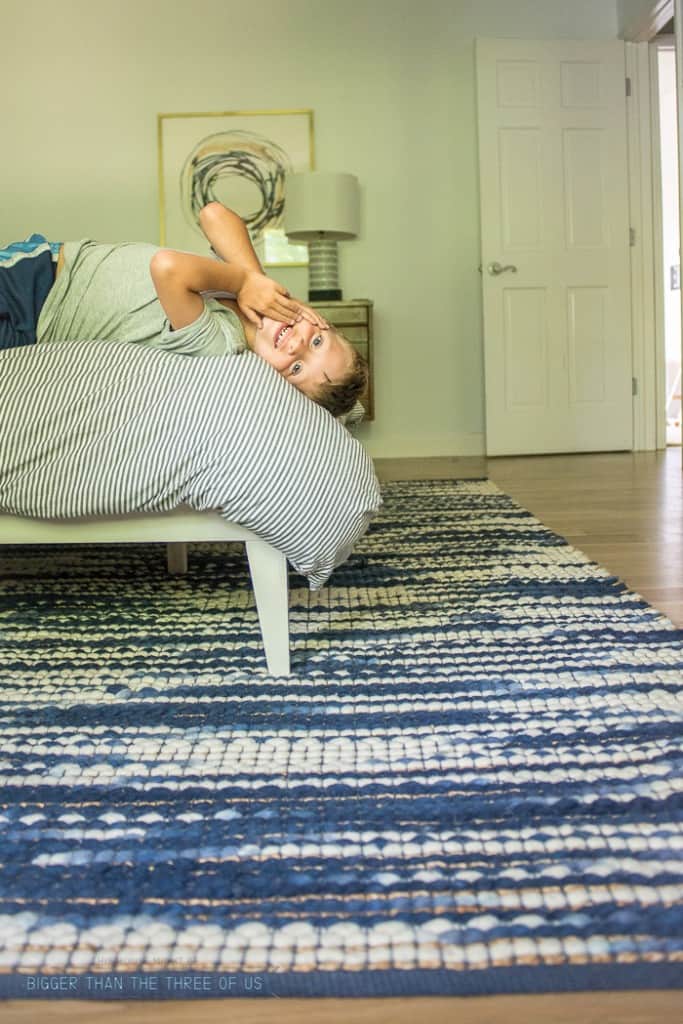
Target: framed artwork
column 239, row 158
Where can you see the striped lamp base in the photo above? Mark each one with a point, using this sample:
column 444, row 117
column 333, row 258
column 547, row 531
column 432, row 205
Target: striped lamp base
column 323, row 271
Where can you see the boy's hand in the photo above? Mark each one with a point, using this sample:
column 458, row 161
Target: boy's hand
column 306, row 313
column 260, row 296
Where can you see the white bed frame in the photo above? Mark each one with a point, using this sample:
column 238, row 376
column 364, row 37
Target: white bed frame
column 267, row 565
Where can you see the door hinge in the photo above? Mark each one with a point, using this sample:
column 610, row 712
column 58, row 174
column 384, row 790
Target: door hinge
column 631, row 236
column 628, row 86
column 634, row 385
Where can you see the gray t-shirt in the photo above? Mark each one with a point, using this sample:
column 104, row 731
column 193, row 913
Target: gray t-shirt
column 106, row 292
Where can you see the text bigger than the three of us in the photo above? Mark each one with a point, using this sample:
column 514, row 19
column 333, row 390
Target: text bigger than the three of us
column 69, row 984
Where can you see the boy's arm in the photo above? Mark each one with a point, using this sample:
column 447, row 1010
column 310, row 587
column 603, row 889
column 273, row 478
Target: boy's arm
column 227, row 235
column 229, row 238
column 179, row 277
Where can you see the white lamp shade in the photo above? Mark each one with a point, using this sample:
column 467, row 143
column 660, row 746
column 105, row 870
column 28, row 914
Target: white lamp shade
column 318, row 202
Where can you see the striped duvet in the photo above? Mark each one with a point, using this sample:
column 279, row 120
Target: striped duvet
column 105, row 428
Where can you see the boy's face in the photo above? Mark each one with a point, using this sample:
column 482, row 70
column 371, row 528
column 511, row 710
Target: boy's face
column 307, row 356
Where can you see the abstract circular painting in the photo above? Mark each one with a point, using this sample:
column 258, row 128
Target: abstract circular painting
column 240, row 160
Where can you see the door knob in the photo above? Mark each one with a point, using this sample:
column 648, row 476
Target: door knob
column 497, row 268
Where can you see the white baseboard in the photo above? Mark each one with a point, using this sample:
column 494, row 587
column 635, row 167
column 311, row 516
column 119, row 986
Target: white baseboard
column 451, row 446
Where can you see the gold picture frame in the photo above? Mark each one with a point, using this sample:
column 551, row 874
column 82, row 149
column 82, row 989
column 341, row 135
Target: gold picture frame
column 240, row 158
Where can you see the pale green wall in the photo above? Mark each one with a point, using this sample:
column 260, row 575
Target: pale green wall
column 392, row 86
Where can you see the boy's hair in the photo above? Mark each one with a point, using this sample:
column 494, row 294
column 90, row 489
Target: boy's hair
column 340, row 398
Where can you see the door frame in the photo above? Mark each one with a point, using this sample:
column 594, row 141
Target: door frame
column 642, row 203
column 649, row 413
column 660, row 43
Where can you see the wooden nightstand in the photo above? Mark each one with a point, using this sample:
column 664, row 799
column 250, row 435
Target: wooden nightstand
column 353, row 318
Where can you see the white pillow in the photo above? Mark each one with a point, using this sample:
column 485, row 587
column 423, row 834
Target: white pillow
column 350, row 419
column 109, row 428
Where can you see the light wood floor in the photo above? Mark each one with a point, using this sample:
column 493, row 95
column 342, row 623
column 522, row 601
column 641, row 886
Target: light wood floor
column 572, row 1008
column 625, row 512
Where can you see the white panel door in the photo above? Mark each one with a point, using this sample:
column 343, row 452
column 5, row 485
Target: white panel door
column 555, row 246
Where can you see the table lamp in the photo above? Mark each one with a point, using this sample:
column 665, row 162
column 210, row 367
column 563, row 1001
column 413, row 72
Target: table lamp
column 321, row 208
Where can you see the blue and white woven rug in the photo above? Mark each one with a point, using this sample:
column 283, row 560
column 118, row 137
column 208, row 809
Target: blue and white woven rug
column 471, row 783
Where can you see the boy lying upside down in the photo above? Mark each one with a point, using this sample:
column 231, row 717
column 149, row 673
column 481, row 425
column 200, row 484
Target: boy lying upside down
column 167, row 299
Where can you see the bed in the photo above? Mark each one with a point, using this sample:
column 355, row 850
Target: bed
column 267, row 565
column 104, row 442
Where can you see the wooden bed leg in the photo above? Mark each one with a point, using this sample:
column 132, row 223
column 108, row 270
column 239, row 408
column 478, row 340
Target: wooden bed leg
column 268, row 569
column 176, row 557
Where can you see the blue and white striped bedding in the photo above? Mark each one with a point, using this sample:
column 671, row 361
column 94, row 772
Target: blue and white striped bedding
column 102, row 428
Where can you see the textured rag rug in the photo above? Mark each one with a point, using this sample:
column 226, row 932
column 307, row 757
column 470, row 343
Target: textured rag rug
column 469, row 785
